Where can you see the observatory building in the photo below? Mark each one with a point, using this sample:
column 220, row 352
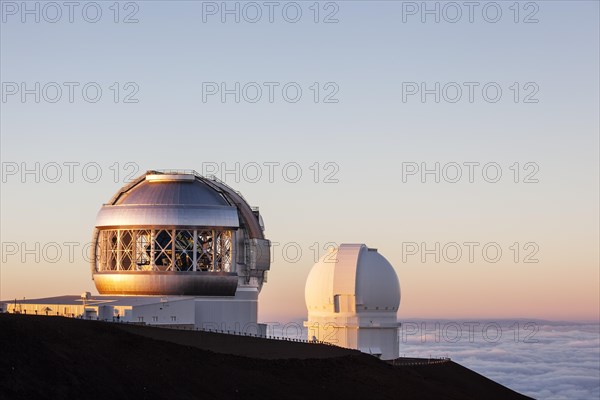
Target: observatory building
column 177, row 249
column 172, row 248
column 352, row 295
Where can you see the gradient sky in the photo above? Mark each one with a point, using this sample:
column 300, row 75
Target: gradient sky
column 368, row 135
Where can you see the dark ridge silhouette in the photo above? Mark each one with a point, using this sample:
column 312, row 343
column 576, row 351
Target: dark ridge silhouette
column 63, row 358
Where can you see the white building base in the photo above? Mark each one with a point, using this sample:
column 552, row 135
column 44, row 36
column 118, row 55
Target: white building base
column 235, row 314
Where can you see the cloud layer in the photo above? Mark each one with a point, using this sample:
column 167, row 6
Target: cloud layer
column 544, row 360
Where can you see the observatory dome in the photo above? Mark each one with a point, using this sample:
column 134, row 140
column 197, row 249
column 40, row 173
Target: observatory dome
column 174, row 189
column 178, row 233
column 352, row 279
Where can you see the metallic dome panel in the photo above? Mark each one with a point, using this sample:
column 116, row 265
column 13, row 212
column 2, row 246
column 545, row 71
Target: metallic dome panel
column 166, row 283
column 172, row 193
column 148, row 215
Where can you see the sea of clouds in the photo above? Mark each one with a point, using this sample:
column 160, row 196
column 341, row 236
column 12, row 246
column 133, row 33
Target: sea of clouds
column 541, row 359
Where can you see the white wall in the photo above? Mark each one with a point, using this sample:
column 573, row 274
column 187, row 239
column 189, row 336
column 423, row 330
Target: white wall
column 161, row 313
column 238, row 313
column 386, row 339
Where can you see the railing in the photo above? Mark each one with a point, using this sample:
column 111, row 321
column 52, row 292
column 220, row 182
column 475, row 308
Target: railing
column 219, row 331
column 246, row 334
column 219, row 181
column 178, row 171
column 409, row 362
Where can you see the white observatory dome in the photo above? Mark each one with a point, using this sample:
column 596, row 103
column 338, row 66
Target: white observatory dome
column 352, row 279
column 352, row 295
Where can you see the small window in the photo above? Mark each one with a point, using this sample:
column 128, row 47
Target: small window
column 173, row 318
column 154, row 319
column 140, row 319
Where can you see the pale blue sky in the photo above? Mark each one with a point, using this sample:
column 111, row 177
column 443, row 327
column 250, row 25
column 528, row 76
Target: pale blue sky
column 368, row 134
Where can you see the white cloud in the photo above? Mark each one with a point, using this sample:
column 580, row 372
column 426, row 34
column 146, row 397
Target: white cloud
column 563, row 363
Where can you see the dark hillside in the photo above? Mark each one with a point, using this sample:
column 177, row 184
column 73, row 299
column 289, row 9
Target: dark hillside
column 61, row 358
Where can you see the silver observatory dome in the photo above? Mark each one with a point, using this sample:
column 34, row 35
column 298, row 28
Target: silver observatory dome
column 178, row 233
